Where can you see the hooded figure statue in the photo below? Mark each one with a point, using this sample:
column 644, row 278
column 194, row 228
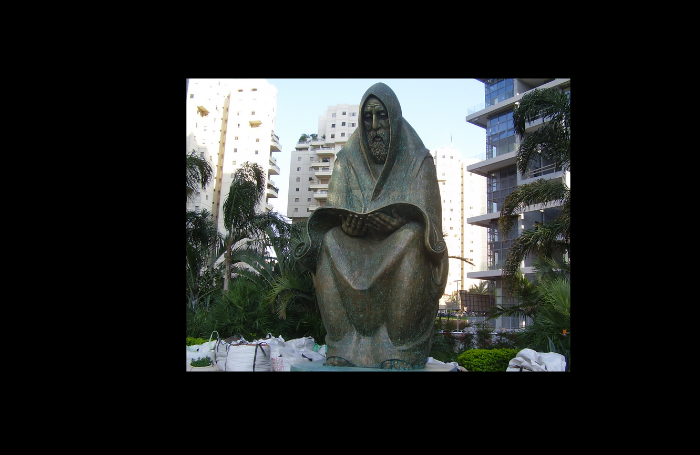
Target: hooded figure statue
column 376, row 250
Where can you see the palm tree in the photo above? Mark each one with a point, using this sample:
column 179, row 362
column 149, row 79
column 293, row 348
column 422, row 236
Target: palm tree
column 246, row 235
column 552, row 142
column 292, row 290
column 199, row 173
column 203, row 242
column 481, row 288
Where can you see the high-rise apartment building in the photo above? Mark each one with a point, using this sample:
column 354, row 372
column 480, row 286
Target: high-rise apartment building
column 498, row 166
column 229, row 122
column 462, row 193
column 311, row 163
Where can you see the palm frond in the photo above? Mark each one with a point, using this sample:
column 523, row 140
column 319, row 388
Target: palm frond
column 198, row 174
column 553, row 139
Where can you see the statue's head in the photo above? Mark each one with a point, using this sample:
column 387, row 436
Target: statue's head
column 378, row 130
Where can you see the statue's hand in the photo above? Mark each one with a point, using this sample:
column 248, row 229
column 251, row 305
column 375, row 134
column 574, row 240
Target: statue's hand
column 384, row 223
column 354, row 224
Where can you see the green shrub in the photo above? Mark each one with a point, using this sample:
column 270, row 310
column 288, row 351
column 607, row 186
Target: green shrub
column 486, row 360
column 191, row 341
column 202, row 362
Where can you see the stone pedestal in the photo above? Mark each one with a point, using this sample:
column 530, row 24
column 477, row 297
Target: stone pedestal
column 317, row 365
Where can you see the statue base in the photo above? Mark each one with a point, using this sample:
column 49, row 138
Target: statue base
column 317, row 365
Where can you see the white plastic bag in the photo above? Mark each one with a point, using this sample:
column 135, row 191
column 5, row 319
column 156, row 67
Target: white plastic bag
column 302, row 344
column 248, row 357
column 208, row 348
column 531, row 360
column 283, row 358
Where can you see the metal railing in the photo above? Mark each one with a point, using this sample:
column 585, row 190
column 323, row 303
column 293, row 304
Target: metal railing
column 541, row 171
column 491, row 102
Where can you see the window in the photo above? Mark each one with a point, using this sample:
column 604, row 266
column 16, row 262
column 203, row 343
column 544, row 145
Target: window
column 307, row 209
column 332, row 136
column 253, row 89
column 353, row 124
column 296, row 209
column 308, row 199
column 343, row 112
column 235, row 150
column 297, row 189
column 235, row 138
column 298, row 169
column 353, row 114
column 252, row 112
column 234, row 163
column 257, row 139
column 332, row 125
column 311, row 179
column 192, row 95
column 298, row 179
column 332, row 115
column 240, row 89
column 296, row 199
column 342, row 124
column 299, row 159
column 256, row 152
column 342, row 134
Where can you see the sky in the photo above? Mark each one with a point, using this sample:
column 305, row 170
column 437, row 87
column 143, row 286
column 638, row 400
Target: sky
column 435, row 108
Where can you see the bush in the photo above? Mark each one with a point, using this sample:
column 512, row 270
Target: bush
column 202, row 362
column 443, row 347
column 191, row 341
column 486, row 360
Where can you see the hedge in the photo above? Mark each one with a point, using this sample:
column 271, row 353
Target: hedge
column 486, row 360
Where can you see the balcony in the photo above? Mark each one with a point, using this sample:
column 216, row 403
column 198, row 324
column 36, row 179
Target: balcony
column 302, row 145
column 318, row 186
column 321, row 195
column 255, row 122
column 324, row 172
column 485, row 271
column 477, row 115
column 273, row 169
column 321, row 163
column 318, row 142
column 275, row 145
column 485, row 167
column 313, row 207
column 272, row 191
column 325, row 151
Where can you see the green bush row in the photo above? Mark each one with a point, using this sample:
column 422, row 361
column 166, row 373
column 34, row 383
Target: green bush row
column 486, row 360
column 191, row 341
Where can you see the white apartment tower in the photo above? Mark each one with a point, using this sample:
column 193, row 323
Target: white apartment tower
column 231, row 121
column 498, row 166
column 311, row 163
column 461, row 194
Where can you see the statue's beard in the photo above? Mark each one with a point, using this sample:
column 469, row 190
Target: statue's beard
column 379, row 149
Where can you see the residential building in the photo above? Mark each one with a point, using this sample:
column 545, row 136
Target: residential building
column 498, row 166
column 229, row 122
column 312, row 160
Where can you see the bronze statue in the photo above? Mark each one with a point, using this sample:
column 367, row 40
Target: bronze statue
column 376, row 249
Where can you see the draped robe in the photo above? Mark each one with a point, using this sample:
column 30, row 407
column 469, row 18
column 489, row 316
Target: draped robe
column 378, row 293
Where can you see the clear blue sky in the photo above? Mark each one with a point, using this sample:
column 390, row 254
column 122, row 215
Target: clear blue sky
column 436, row 108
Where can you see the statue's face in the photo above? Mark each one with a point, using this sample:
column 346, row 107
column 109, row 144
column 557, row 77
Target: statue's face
column 376, row 122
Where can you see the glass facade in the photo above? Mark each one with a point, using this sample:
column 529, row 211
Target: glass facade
column 500, row 184
column 498, row 245
column 498, row 90
column 500, row 134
